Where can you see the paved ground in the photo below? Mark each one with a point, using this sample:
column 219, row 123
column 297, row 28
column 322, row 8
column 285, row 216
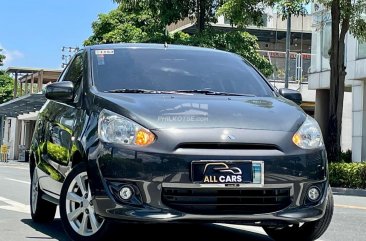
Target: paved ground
column 348, row 224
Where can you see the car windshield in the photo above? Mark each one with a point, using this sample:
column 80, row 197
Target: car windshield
column 178, row 70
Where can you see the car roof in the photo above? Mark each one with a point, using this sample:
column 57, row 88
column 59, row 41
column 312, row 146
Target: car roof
column 150, row 46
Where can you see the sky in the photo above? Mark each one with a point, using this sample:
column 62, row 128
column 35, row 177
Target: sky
column 32, row 32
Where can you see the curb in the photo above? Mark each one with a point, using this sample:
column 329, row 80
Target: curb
column 349, row 191
column 15, row 163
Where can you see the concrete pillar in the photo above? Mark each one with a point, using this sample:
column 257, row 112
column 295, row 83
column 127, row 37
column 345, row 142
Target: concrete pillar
column 359, row 121
column 32, row 83
column 21, row 89
column 40, row 80
column 26, row 90
column 28, row 134
column 12, row 140
column 17, row 137
column 322, row 109
column 15, row 85
column 1, row 129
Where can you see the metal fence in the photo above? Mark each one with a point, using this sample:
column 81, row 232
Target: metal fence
column 299, row 65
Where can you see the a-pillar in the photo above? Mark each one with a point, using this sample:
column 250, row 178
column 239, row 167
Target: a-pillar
column 359, row 121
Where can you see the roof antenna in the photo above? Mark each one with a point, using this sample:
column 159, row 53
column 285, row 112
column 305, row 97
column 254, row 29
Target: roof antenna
column 165, row 45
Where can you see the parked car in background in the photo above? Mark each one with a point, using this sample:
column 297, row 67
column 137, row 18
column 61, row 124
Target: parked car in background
column 162, row 133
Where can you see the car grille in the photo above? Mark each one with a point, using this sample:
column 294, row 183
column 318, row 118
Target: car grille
column 228, row 146
column 218, row 201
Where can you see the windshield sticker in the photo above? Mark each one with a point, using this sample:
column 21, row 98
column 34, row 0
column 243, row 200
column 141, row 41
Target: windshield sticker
column 100, row 59
column 104, row 51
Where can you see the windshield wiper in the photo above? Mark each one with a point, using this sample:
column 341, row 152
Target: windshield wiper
column 205, row 92
column 137, row 91
column 210, row 92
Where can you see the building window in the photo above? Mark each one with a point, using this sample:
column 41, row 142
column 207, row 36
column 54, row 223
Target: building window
column 321, row 41
column 227, row 21
column 265, row 20
column 361, row 50
column 326, row 45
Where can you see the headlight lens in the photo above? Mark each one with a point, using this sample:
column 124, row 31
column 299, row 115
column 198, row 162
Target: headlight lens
column 114, row 128
column 309, row 136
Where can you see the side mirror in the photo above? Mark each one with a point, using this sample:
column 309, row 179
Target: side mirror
column 60, row 91
column 292, row 95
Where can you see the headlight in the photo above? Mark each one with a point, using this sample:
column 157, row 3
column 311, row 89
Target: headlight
column 309, row 135
column 114, row 128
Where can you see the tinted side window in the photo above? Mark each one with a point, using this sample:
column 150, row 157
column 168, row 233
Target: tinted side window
column 74, row 74
column 75, row 70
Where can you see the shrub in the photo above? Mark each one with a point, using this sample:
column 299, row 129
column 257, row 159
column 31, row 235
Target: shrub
column 348, row 175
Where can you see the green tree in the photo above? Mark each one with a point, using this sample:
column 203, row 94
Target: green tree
column 126, row 25
column 171, row 11
column 245, row 12
column 346, row 16
column 6, row 83
column 2, row 58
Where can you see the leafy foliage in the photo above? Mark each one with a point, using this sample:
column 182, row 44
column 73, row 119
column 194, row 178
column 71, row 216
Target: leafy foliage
column 2, row 58
column 171, row 11
column 348, row 175
column 6, row 83
column 126, row 25
column 346, row 156
column 6, row 87
column 245, row 12
column 294, row 7
column 352, row 12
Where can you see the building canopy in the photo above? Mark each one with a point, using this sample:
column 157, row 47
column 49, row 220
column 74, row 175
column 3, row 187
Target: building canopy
column 28, row 84
column 22, row 105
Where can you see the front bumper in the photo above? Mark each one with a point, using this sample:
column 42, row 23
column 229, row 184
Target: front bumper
column 154, row 176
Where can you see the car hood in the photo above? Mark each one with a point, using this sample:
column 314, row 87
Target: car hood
column 163, row 111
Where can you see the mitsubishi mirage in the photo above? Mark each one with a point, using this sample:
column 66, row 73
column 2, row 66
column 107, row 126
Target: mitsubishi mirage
column 154, row 133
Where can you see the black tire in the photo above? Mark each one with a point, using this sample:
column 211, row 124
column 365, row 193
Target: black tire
column 42, row 211
column 74, row 228
column 308, row 231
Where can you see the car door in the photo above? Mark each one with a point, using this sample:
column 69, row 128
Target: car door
column 61, row 122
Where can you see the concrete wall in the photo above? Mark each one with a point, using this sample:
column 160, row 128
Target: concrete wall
column 11, row 136
column 274, row 21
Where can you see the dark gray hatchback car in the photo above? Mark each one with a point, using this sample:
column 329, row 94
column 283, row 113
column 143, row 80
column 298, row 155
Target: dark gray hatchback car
column 154, row 133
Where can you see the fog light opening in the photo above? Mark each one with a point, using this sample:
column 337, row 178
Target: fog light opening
column 313, row 194
column 126, row 192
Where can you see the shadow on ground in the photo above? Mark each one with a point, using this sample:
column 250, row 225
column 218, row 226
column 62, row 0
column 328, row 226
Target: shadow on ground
column 156, row 232
column 54, row 230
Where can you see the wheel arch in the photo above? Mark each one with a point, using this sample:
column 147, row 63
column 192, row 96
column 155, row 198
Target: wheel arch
column 77, row 155
column 32, row 163
column 76, row 159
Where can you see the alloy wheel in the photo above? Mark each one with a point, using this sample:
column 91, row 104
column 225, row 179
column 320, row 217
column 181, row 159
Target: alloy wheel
column 79, row 207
